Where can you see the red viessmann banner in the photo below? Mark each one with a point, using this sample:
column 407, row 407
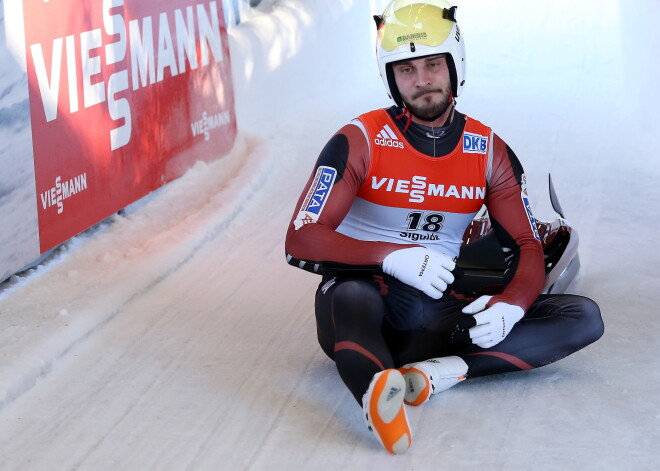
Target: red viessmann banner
column 125, row 95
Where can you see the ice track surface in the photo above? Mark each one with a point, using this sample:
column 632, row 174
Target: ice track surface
column 176, row 337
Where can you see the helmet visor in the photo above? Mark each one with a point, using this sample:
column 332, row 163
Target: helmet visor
column 421, row 23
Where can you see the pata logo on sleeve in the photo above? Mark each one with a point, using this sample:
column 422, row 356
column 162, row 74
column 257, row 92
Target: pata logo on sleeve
column 316, row 197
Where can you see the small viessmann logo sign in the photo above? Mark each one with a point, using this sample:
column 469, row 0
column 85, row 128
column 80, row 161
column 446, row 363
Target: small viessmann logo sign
column 63, row 190
column 208, row 123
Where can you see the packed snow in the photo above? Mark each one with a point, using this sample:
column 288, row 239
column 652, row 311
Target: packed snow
column 175, row 336
column 19, row 234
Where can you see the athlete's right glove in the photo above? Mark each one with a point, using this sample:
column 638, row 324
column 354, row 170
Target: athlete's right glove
column 421, row 268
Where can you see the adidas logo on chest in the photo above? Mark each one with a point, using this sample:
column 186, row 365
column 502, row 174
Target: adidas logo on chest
column 387, row 138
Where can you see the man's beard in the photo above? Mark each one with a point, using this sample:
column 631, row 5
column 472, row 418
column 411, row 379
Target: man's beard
column 429, row 111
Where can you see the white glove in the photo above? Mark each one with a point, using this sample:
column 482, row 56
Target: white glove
column 492, row 324
column 421, row 268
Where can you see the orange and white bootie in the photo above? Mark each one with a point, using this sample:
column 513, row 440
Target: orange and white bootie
column 426, row 378
column 384, row 411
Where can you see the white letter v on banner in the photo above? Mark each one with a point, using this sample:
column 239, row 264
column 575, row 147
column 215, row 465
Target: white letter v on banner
column 49, row 89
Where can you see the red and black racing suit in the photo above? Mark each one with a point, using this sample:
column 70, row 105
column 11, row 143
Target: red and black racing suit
column 382, row 184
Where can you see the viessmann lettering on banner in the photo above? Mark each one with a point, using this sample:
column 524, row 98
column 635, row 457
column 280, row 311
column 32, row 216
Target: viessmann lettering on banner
column 125, row 95
column 62, row 190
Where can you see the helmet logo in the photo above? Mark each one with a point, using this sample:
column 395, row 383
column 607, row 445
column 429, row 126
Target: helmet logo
column 411, row 37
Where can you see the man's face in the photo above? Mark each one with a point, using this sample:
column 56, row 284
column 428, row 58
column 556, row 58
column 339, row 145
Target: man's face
column 424, row 85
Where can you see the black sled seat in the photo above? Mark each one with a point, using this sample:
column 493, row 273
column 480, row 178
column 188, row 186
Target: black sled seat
column 481, row 263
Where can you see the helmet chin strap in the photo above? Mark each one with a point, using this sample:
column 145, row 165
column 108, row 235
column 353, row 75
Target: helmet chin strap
column 407, row 114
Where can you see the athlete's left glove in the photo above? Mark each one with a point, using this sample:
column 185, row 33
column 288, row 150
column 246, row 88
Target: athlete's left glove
column 489, row 326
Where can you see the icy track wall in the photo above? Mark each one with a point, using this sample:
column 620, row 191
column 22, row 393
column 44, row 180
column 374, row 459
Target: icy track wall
column 100, row 104
column 137, row 251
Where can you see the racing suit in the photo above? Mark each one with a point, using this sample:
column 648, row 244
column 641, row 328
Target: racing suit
column 383, row 183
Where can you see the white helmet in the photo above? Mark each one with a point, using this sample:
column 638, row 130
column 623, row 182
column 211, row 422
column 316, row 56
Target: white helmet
column 409, row 29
